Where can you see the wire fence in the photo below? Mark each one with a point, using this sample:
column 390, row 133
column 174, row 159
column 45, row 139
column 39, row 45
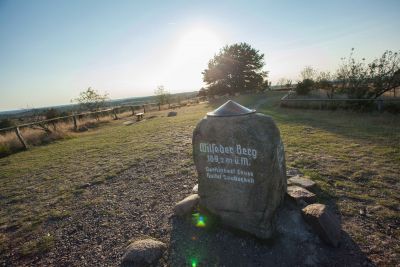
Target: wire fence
column 114, row 112
column 379, row 104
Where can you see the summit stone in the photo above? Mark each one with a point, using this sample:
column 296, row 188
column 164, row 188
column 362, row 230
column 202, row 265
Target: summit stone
column 240, row 160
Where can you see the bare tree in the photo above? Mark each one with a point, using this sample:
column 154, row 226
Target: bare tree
column 41, row 124
column 384, row 73
column 308, row 73
column 288, row 83
column 91, row 99
column 361, row 80
column 281, row 82
column 162, row 95
column 324, row 81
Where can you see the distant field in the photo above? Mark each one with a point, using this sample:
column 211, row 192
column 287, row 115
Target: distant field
column 353, row 157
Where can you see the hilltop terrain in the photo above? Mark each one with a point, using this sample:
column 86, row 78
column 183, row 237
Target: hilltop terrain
column 80, row 200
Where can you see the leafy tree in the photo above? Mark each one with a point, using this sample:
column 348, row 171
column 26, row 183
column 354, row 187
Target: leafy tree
column 236, row 68
column 202, row 92
column 304, row 87
column 91, row 99
column 162, row 95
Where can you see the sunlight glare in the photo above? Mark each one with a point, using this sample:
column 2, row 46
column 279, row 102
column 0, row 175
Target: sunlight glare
column 198, row 45
column 193, row 49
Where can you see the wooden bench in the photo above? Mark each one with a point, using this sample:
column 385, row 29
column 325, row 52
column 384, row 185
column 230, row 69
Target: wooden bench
column 139, row 116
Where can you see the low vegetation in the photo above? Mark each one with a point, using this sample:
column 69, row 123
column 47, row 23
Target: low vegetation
column 45, row 134
column 353, row 157
column 364, row 85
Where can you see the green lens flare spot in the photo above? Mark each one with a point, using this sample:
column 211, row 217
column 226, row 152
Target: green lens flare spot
column 194, row 263
column 199, row 220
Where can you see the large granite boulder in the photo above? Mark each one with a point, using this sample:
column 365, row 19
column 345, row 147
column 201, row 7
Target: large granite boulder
column 240, row 161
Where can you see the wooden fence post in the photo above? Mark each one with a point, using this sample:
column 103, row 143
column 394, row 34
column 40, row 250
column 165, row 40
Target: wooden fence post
column 115, row 114
column 133, row 111
column 75, row 123
column 159, row 106
column 144, row 109
column 21, row 139
column 380, row 105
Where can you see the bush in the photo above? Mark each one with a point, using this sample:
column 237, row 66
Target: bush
column 392, row 107
column 4, row 150
column 305, row 87
column 5, row 123
column 52, row 113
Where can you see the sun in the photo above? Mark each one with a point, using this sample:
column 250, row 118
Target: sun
column 198, row 44
column 189, row 56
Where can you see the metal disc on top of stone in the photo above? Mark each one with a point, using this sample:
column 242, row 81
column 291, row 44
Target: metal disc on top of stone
column 230, row 108
column 240, row 161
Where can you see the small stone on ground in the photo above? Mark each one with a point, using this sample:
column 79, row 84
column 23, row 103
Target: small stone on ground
column 325, row 223
column 301, row 194
column 195, row 188
column 143, row 253
column 172, row 114
column 293, row 172
column 186, row 205
column 302, row 181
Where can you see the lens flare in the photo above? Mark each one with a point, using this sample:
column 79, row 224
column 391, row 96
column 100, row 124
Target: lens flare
column 194, row 263
column 199, row 220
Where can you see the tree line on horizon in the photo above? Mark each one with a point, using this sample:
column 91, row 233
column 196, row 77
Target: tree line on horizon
column 238, row 68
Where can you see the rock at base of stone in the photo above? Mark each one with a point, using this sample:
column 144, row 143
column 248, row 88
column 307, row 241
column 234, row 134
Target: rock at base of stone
column 293, row 172
column 127, row 123
column 186, row 205
column 195, row 189
column 143, row 253
column 302, row 181
column 325, row 223
column 172, row 114
column 301, row 195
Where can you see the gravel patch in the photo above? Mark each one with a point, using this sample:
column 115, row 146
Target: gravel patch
column 139, row 203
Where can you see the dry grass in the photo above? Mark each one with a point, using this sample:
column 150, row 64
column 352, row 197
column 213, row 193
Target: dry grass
column 35, row 136
column 353, row 157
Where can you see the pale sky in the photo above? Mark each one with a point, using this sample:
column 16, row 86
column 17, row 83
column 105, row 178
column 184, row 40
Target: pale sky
column 51, row 50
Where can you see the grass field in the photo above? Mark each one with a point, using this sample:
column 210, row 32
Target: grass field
column 353, row 157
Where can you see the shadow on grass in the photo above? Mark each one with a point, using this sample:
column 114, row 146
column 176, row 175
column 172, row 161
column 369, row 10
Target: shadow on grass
column 356, row 125
column 295, row 245
column 379, row 128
